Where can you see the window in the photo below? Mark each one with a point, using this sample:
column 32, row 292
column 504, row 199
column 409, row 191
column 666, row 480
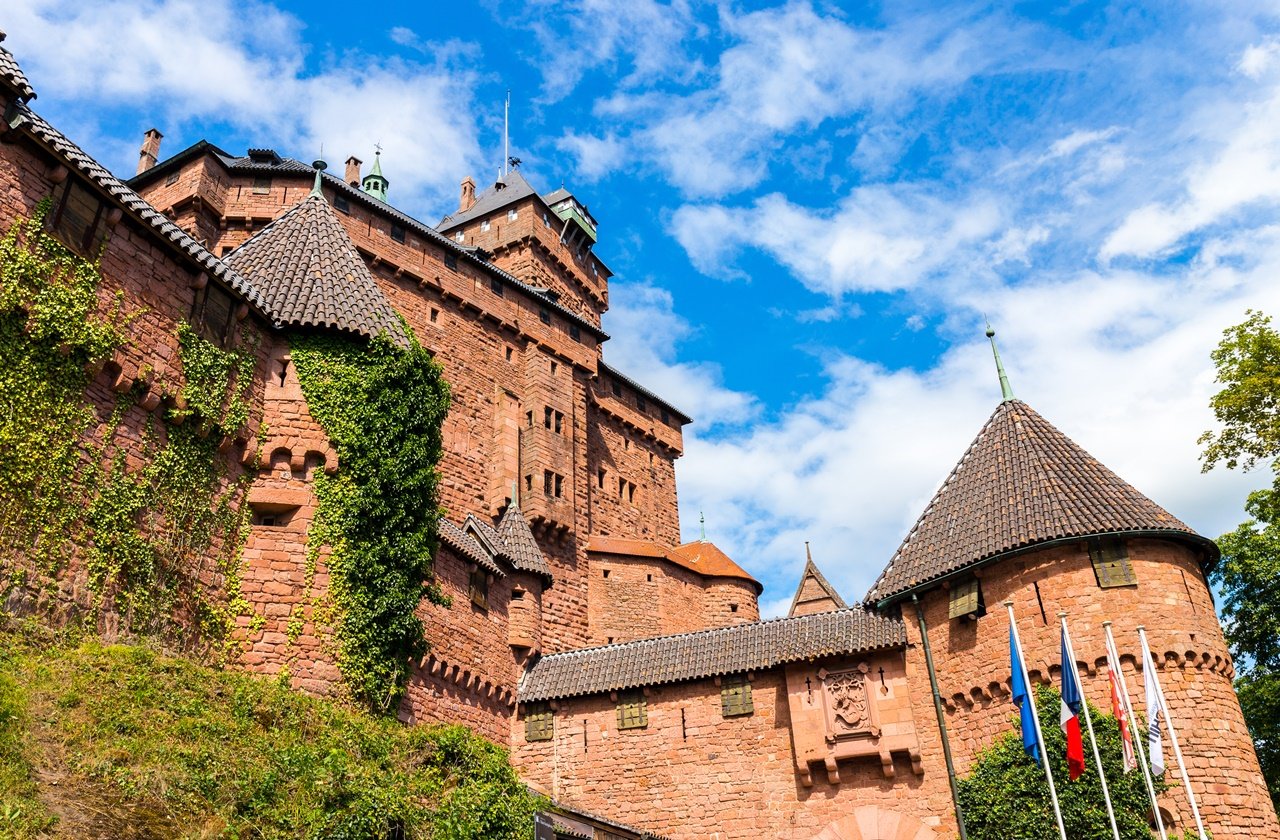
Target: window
column 435, row 315
column 631, row 492
column 341, row 204
column 735, row 696
column 559, row 486
column 173, row 178
column 76, row 219
column 544, row 316
column 479, row 587
column 512, row 215
column 484, row 226
column 546, row 417
column 622, row 487
column 1111, row 563
column 539, row 723
column 528, row 483
column 262, row 185
column 212, row 314
column 397, row 233
column 546, row 482
column 545, row 221
column 966, row 600
column 641, row 405
column 495, row 286
column 617, row 387
column 632, row 713
column 451, row 260
column 600, row 478
column 457, row 237
column 529, row 416
column 509, row 351
column 559, row 422
column 666, row 418
column 553, row 368
column 575, row 333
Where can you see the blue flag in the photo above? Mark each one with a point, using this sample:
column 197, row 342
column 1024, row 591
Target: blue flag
column 1023, row 701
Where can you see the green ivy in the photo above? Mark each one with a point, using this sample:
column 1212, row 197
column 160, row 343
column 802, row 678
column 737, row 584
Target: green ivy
column 145, row 531
column 52, row 334
column 382, row 407
column 1006, row 796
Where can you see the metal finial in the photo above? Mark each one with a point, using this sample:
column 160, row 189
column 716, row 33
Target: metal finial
column 807, row 554
column 515, row 493
column 1006, row 390
column 319, row 166
column 702, row 520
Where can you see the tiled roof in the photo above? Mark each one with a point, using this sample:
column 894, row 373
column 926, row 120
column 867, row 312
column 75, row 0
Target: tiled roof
column 140, row 209
column 13, row 77
column 310, row 273
column 288, row 165
column 517, row 540
column 515, row 188
column 703, row 558
column 463, row 543
column 811, row 572
column 609, row 370
column 710, row 653
column 1021, row 482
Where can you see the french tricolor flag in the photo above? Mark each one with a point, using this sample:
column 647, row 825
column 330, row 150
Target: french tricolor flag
column 1071, row 706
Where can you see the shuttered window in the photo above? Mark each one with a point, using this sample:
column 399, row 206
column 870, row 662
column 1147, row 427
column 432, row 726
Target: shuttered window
column 76, row 218
column 632, row 713
column 1111, row 564
column 480, row 587
column 735, row 696
column 539, row 723
column 966, row 599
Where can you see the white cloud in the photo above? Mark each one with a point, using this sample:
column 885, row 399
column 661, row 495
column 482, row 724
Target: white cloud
column 1077, row 140
column 646, row 331
column 1235, row 169
column 596, row 156
column 1257, row 59
column 186, row 60
column 879, row 238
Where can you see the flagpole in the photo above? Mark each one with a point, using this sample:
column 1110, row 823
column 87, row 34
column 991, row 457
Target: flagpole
column 1035, row 717
column 1088, row 720
column 1137, row 741
column 1173, row 734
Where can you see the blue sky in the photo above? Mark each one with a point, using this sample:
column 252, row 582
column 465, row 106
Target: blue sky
column 810, row 207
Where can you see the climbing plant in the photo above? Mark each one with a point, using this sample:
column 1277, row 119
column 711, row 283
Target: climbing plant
column 382, row 406
column 145, row 506
column 1005, row 794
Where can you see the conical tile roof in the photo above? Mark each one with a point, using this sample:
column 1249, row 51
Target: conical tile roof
column 308, row 270
column 1021, row 482
column 522, row 549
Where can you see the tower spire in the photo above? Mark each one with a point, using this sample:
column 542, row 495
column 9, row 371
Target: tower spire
column 702, row 520
column 506, row 135
column 1006, row 390
column 375, row 183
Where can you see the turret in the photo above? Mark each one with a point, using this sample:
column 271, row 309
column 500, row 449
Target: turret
column 374, row 183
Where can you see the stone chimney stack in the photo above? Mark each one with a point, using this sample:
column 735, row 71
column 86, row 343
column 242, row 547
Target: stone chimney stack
column 150, row 150
column 353, row 171
column 468, row 199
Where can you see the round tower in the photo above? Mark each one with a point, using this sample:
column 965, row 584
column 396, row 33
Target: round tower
column 1029, row 516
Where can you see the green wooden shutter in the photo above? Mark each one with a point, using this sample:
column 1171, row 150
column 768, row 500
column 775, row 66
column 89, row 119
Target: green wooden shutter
column 1111, row 563
column 964, row 599
column 632, row 713
column 539, row 723
column 735, row 696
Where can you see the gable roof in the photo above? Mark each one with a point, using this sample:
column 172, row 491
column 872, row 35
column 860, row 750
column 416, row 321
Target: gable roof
column 704, row 558
column 1020, row 483
column 517, row 538
column 514, row 188
column 710, row 653
column 821, row 597
column 466, row 545
column 311, row 276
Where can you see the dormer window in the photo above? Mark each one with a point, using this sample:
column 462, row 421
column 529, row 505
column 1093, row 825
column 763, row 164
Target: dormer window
column 512, row 214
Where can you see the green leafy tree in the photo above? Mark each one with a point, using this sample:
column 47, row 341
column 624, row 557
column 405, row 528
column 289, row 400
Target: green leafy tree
column 1248, row 576
column 1005, row 796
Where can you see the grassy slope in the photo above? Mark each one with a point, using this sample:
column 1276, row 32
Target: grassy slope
column 120, row 741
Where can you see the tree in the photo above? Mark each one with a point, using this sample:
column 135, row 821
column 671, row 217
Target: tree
column 1006, row 796
column 1248, row 575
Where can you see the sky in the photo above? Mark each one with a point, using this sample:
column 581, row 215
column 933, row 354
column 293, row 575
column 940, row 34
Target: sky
column 810, row 209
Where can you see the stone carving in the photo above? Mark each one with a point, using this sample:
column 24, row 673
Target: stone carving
column 849, row 706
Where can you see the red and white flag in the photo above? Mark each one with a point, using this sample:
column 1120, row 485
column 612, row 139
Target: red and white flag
column 1072, row 702
column 1122, row 718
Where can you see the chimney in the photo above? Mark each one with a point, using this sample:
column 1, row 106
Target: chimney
column 150, row 150
column 468, row 199
column 353, row 170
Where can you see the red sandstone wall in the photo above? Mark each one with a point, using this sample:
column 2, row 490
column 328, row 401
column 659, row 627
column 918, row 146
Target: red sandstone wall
column 1172, row 601
column 693, row 773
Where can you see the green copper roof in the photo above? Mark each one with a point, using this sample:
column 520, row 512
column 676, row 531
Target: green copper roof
column 375, row 184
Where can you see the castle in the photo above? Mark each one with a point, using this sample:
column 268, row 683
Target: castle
column 629, row 673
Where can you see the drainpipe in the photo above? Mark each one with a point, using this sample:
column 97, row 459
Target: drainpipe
column 942, row 723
